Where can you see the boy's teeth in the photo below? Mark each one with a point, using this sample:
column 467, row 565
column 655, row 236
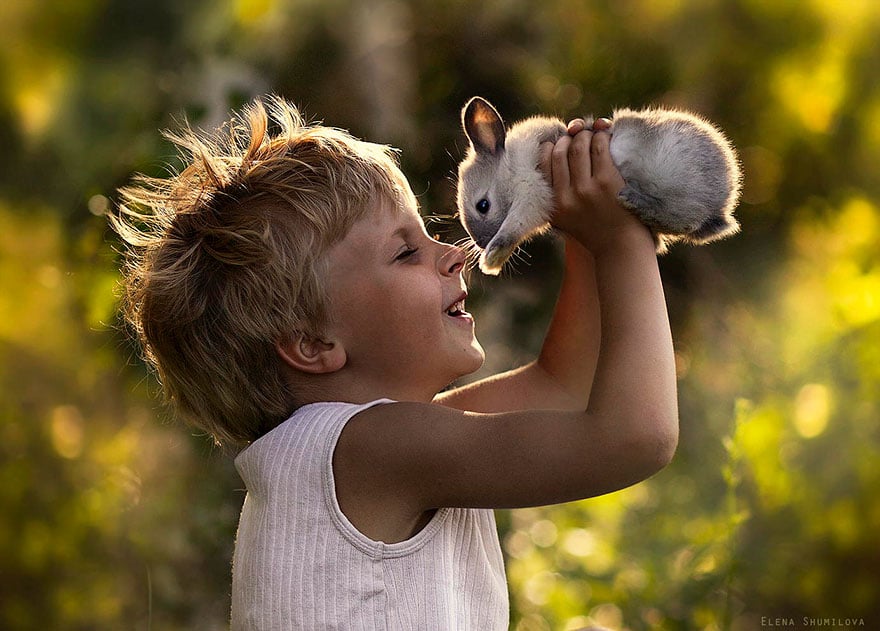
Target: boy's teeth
column 458, row 307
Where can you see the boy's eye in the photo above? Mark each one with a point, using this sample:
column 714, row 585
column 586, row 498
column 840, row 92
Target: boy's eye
column 406, row 254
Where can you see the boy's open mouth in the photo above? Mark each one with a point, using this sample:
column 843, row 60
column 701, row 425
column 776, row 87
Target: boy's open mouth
column 456, row 309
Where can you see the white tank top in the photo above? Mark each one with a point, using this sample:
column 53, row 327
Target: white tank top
column 300, row 564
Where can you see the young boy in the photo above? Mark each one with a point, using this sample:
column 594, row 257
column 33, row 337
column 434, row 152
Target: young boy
column 285, row 289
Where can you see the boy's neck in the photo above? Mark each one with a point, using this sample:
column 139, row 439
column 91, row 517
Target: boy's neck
column 345, row 387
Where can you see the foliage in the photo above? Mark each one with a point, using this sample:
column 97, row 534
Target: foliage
column 113, row 517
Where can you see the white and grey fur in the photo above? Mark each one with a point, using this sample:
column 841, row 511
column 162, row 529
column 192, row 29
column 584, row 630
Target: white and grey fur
column 682, row 177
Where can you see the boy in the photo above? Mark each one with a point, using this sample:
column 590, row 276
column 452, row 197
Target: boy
column 285, row 289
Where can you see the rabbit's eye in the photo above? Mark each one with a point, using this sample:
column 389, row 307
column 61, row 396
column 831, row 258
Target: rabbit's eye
column 483, row 206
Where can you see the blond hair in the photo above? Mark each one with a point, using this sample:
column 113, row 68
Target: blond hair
column 225, row 257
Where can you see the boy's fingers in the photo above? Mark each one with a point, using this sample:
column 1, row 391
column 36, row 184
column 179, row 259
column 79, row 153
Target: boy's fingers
column 559, row 163
column 575, row 126
column 601, row 124
column 579, row 160
column 602, row 165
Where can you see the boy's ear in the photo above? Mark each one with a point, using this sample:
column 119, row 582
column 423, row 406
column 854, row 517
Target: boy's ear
column 311, row 354
column 483, row 126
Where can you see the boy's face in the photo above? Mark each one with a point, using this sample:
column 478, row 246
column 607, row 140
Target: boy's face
column 396, row 305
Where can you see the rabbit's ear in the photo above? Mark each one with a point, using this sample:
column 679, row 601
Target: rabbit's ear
column 483, row 126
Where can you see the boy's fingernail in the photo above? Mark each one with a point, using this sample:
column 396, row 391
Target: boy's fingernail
column 576, row 125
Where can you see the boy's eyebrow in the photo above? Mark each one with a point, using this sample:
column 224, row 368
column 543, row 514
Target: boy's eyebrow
column 407, row 225
column 405, row 230
column 400, row 234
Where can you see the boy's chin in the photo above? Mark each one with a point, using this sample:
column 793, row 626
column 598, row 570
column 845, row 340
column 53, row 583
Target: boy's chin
column 476, row 356
column 466, row 368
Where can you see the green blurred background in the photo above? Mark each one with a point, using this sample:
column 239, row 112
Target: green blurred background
column 114, row 516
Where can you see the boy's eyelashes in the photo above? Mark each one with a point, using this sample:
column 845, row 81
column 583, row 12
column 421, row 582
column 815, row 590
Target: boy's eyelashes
column 409, row 249
column 406, row 253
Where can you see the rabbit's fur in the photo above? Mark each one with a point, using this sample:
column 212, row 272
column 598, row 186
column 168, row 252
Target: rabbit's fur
column 682, row 177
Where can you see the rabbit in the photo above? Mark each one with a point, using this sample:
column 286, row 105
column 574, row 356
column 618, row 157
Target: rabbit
column 682, row 177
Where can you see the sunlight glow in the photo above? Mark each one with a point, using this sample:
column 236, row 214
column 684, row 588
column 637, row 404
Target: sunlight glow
column 38, row 98
column 608, row 615
column 67, row 431
column 760, row 436
column 579, row 542
column 250, row 11
column 539, row 587
column 853, row 284
column 812, row 410
column 544, row 533
column 812, row 90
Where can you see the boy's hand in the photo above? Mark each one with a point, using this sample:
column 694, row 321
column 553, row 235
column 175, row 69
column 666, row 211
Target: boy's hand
column 585, row 186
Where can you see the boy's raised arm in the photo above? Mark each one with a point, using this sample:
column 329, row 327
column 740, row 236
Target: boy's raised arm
column 636, row 343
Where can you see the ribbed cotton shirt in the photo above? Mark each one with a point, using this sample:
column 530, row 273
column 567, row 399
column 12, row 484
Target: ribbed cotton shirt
column 300, row 564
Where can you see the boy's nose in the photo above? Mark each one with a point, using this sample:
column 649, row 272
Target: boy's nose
column 452, row 261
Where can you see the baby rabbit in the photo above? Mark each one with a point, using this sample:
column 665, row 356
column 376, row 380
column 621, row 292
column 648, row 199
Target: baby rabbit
column 682, row 177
